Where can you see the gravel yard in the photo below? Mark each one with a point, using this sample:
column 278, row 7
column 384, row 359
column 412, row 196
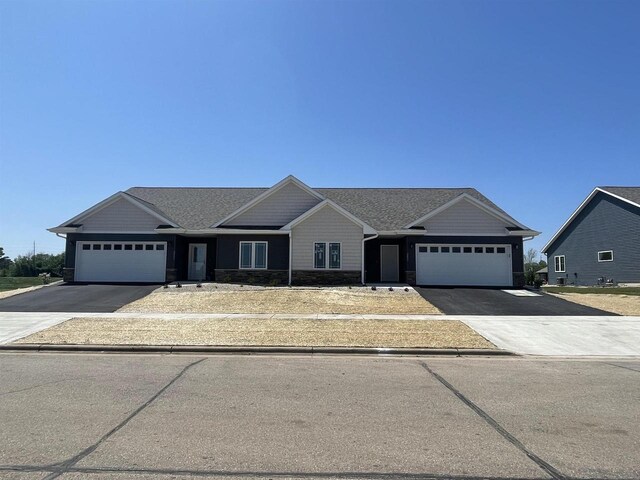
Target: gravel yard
column 615, row 303
column 266, row 332
column 225, row 298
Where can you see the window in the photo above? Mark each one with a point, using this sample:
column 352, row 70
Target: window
column 478, row 249
column 117, row 246
column 433, row 249
column 559, row 263
column 489, row 250
column 159, row 247
column 148, row 247
column 128, row 246
column 606, row 256
column 138, row 246
column 423, row 249
column 327, row 255
column 107, row 246
column 253, row 255
column 467, row 249
column 97, row 246
column 455, row 249
column 444, row 249
column 86, row 246
column 501, row 250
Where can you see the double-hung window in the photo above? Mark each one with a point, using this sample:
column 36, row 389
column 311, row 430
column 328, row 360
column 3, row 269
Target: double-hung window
column 559, row 263
column 327, row 255
column 253, row 255
column 605, row 256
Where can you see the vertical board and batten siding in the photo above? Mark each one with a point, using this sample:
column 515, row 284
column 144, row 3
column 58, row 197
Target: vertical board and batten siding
column 464, row 218
column 326, row 225
column 278, row 209
column 605, row 223
column 120, row 216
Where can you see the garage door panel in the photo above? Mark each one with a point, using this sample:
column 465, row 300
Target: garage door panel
column 466, row 265
column 98, row 264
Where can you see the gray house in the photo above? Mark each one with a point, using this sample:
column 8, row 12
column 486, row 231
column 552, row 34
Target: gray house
column 601, row 240
column 293, row 234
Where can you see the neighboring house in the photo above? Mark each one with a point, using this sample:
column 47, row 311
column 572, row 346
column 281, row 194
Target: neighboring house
column 293, row 234
column 543, row 274
column 601, row 240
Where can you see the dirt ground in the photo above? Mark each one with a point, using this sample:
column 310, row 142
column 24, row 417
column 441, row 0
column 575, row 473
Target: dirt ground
column 268, row 332
column 620, row 304
column 224, row 299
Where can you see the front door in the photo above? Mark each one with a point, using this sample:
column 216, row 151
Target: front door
column 389, row 264
column 197, row 261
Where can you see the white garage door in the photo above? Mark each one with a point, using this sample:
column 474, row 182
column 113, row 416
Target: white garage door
column 120, row 261
column 471, row 265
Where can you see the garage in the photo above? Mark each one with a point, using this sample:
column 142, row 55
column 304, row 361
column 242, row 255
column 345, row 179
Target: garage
column 464, row 265
column 120, row 261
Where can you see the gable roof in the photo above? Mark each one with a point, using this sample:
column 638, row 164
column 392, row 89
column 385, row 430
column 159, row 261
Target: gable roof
column 383, row 209
column 629, row 195
column 328, row 203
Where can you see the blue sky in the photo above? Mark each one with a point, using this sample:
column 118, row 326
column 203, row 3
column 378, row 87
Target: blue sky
column 532, row 103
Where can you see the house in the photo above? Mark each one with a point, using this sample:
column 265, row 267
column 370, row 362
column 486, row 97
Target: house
column 542, row 274
column 600, row 241
column 293, row 234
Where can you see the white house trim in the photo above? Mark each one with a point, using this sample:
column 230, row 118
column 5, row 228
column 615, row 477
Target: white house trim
column 105, row 203
column 579, row 209
column 367, row 230
column 268, row 193
column 474, row 201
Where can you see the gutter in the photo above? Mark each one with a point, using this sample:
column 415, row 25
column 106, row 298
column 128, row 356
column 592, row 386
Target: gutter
column 362, row 269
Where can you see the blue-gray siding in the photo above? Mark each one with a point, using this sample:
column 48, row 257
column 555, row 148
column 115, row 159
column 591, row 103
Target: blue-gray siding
column 605, row 223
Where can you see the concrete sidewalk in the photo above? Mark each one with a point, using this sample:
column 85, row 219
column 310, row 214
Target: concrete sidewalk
column 553, row 336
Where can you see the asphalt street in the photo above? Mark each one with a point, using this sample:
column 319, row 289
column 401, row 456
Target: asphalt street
column 317, row 417
column 490, row 301
column 75, row 297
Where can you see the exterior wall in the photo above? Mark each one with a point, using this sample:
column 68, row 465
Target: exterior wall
column 517, row 260
column 606, row 223
column 327, row 225
column 464, row 218
column 228, row 254
column 326, row 277
column 72, row 238
column 278, row 209
column 372, row 258
column 120, row 216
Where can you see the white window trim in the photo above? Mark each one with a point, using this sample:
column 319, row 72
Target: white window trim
column 326, row 259
column 253, row 256
column 556, row 262
column 605, row 251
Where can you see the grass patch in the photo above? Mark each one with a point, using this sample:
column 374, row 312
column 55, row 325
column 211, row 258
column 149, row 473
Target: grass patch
column 596, row 290
column 13, row 283
column 255, row 332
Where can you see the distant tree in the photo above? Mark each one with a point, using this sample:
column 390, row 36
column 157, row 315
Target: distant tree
column 532, row 265
column 5, row 263
column 30, row 265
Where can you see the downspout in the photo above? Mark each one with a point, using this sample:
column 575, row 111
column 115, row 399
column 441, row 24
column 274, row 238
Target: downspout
column 290, row 255
column 365, row 240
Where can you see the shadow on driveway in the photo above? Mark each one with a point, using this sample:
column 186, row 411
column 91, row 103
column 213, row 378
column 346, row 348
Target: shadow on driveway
column 484, row 301
column 72, row 297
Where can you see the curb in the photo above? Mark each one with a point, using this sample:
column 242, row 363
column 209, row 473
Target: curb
column 254, row 350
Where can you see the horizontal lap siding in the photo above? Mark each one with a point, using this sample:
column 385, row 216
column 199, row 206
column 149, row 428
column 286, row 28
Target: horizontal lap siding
column 327, row 225
column 464, row 218
column 606, row 223
column 120, row 216
column 280, row 208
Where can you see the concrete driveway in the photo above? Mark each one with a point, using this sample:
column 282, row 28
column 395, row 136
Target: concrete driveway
column 613, row 336
column 483, row 301
column 68, row 297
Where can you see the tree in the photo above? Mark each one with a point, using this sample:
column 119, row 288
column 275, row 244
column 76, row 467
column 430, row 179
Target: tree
column 5, row 263
column 31, row 266
column 532, row 265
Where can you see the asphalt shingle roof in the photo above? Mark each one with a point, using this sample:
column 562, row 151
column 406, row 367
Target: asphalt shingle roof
column 381, row 208
column 630, row 193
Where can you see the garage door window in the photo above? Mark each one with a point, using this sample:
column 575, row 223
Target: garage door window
column 467, row 250
column 500, row 250
column 489, row 250
column 478, row 249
